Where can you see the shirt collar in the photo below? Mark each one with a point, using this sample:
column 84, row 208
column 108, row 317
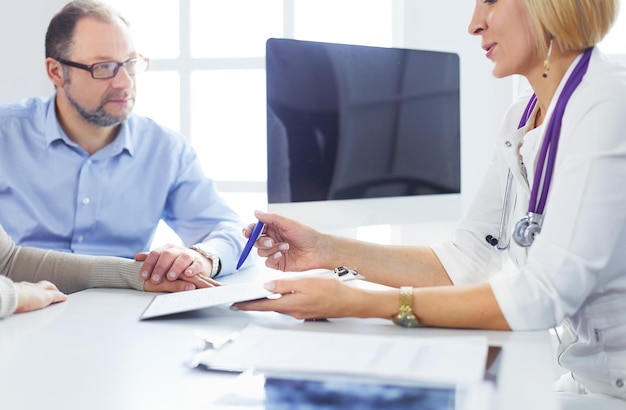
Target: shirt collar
column 54, row 132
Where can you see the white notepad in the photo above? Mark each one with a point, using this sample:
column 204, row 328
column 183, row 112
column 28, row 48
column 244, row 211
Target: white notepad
column 170, row 303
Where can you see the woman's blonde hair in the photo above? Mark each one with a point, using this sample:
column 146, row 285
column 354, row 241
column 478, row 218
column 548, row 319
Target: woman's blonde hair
column 574, row 24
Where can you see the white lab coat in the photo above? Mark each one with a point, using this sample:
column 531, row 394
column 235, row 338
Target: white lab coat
column 575, row 272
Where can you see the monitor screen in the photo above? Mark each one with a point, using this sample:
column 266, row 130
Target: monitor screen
column 348, row 122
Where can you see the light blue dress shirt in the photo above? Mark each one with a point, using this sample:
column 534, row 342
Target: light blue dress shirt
column 54, row 195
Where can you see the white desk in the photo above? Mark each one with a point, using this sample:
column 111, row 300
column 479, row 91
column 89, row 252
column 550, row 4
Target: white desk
column 92, row 352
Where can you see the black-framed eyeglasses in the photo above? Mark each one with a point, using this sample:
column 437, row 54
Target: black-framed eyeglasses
column 109, row 69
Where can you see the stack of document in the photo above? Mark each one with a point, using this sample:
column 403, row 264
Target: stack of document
column 442, row 361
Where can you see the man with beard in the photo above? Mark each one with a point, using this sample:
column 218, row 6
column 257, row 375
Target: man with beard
column 79, row 172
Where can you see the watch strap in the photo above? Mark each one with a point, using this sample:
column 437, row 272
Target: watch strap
column 211, row 254
column 405, row 316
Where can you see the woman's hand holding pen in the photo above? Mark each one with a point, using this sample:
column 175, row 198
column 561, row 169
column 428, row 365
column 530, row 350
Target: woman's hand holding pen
column 290, row 246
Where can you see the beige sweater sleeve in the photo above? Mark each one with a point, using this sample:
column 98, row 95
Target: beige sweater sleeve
column 70, row 272
column 8, row 297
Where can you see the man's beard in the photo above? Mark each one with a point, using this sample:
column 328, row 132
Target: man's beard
column 98, row 116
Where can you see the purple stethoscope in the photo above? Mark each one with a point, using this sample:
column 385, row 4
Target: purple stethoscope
column 527, row 228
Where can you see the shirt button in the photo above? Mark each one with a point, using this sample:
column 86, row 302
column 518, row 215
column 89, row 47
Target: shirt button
column 86, row 201
column 80, row 238
column 508, row 144
column 619, row 383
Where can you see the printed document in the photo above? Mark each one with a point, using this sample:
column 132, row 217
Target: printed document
column 170, row 303
column 440, row 360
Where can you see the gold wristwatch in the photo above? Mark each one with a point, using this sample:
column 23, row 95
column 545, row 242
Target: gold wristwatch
column 406, row 317
column 211, row 254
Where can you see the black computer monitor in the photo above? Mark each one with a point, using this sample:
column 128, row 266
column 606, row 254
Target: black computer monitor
column 349, row 123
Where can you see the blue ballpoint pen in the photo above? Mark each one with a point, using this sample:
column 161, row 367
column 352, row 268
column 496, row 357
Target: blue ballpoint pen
column 256, row 232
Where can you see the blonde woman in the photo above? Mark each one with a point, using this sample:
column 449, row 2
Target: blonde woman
column 555, row 255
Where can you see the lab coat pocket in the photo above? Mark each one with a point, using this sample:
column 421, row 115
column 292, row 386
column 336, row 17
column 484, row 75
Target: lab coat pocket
column 613, row 356
column 618, row 382
column 607, row 331
column 606, row 324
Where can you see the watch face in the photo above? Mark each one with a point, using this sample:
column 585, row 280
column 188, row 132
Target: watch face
column 406, row 320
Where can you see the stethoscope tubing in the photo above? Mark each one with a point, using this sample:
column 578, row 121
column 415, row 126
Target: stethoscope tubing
column 528, row 227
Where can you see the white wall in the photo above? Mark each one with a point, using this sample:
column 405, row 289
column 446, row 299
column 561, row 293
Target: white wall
column 23, row 27
column 442, row 25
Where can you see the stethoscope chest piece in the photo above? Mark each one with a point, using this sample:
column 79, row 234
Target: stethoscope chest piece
column 527, row 228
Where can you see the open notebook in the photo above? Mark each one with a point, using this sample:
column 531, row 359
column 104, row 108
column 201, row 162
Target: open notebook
column 170, row 303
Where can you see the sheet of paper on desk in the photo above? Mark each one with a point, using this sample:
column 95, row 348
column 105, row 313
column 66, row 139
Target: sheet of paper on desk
column 452, row 361
column 170, row 303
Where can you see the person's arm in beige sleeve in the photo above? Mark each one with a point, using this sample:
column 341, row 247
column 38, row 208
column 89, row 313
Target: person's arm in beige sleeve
column 73, row 272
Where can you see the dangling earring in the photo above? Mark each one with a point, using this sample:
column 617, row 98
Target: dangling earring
column 546, row 62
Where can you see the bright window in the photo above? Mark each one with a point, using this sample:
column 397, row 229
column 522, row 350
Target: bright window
column 228, row 123
column 234, row 28
column 365, row 22
column 207, row 77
